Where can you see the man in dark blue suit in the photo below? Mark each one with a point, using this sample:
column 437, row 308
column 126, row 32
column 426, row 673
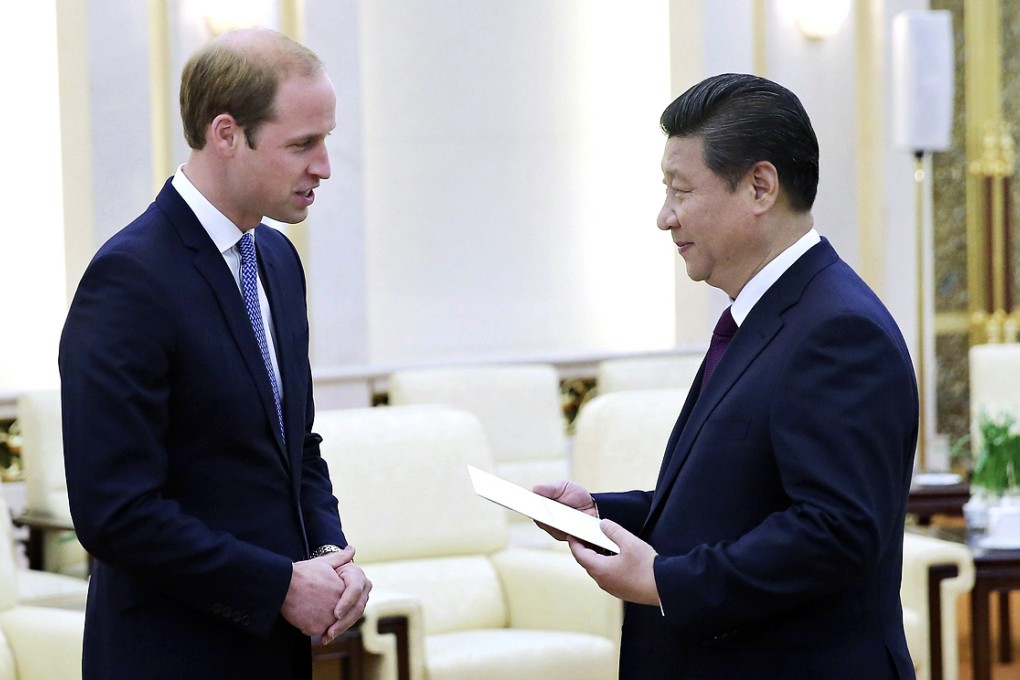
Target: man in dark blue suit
column 194, row 476
column 771, row 546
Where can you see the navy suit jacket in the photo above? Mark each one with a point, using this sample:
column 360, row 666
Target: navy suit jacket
column 778, row 513
column 180, row 483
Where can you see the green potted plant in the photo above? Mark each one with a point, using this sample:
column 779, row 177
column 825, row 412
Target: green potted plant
column 999, row 456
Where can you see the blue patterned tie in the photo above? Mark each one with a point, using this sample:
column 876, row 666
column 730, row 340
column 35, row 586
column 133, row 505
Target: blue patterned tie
column 249, row 286
column 724, row 331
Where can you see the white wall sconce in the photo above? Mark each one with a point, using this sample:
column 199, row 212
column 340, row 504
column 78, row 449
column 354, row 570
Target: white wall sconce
column 219, row 16
column 819, row 19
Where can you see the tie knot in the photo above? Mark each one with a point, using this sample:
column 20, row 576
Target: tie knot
column 247, row 246
column 726, row 326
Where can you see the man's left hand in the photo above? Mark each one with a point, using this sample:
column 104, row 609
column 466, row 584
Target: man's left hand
column 352, row 603
column 628, row 575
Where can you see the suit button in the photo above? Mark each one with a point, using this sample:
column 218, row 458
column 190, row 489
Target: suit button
column 245, row 620
column 217, row 609
column 237, row 617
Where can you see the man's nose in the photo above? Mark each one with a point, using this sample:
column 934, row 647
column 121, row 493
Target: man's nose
column 320, row 165
column 666, row 219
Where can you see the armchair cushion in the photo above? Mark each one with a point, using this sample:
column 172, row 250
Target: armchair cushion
column 518, row 406
column 515, row 653
column 620, row 438
column 456, row 593
column 46, row 643
column 400, row 474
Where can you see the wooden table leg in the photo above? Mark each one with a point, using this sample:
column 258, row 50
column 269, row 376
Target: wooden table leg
column 34, row 548
column 397, row 626
column 1005, row 630
column 979, row 634
column 937, row 573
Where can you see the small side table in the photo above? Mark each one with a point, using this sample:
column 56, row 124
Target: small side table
column 995, row 571
column 928, row 501
column 37, row 526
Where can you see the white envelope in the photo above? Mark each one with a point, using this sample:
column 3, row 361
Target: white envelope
column 540, row 508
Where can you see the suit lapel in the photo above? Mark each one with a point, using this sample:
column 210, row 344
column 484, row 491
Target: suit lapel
column 758, row 330
column 209, row 263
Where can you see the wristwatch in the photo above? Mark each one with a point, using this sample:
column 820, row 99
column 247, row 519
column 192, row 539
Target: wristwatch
column 326, row 549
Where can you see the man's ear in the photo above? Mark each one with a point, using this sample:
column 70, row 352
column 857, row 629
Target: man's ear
column 224, row 134
column 764, row 183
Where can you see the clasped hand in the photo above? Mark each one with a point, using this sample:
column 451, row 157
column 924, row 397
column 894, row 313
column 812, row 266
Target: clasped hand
column 630, row 575
column 327, row 595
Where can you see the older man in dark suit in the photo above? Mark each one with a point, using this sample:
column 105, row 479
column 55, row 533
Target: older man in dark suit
column 771, row 546
column 193, row 473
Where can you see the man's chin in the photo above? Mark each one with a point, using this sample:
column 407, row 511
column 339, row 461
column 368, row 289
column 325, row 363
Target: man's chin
column 290, row 218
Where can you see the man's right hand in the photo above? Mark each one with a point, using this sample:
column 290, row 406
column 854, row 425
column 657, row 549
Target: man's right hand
column 315, row 589
column 568, row 493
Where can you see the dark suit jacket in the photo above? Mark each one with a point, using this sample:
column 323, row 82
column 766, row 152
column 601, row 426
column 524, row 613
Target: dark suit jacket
column 179, row 481
column 779, row 510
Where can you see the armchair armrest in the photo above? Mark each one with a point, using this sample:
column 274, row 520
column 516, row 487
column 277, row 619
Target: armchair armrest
column 935, row 573
column 532, row 579
column 394, row 631
column 46, row 642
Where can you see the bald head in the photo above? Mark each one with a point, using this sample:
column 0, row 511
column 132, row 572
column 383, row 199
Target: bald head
column 239, row 73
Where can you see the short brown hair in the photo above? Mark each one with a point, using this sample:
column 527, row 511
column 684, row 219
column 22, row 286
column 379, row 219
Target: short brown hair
column 239, row 73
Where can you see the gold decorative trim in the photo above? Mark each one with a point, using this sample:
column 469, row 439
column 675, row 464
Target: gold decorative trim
column 870, row 150
column 983, row 81
column 760, row 46
column 159, row 92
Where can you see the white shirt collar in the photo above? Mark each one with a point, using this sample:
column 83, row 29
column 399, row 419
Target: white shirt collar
column 754, row 289
column 222, row 231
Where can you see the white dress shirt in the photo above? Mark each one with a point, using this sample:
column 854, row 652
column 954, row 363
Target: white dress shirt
column 754, row 289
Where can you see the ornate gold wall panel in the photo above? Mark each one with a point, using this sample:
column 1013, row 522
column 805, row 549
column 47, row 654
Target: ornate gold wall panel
column 976, row 202
column 949, row 178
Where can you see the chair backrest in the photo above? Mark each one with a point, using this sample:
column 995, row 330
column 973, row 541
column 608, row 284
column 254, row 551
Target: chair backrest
column 42, row 453
column 994, row 384
column 408, row 507
column 518, row 405
column 675, row 371
column 620, row 438
column 8, row 567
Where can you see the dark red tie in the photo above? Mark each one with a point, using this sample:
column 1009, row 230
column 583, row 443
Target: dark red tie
column 721, row 336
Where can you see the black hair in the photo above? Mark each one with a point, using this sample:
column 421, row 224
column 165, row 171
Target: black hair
column 743, row 119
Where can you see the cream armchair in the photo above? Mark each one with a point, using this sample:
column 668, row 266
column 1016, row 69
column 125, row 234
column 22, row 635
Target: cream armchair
column 36, row 643
column 42, row 455
column 935, row 574
column 519, row 408
column 484, row 610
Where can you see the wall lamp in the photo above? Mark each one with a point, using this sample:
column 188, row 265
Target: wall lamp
column 819, row 19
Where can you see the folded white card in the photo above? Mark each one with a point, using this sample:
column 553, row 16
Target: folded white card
column 545, row 510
